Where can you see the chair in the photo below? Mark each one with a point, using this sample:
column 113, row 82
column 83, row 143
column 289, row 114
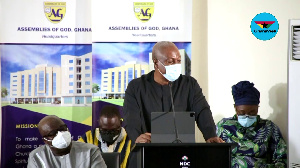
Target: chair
column 111, row 159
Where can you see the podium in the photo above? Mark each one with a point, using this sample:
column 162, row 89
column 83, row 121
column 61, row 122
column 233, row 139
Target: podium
column 184, row 155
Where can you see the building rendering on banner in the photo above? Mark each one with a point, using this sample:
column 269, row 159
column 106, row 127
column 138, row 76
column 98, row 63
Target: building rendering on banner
column 115, row 80
column 185, row 63
column 69, row 84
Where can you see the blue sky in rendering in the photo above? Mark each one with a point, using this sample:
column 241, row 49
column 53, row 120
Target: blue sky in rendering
column 109, row 55
column 24, row 57
column 21, row 57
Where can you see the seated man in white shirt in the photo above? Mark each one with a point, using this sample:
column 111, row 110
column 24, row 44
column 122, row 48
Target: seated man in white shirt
column 59, row 149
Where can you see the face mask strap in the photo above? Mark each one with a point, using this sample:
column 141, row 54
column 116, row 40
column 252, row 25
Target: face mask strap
column 159, row 70
column 162, row 65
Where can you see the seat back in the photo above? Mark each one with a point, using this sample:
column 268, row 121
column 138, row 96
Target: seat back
column 111, row 159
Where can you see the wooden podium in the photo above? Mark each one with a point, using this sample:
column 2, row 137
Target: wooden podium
column 184, row 155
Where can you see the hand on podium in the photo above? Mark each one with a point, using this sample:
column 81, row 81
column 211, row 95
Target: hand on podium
column 215, row 140
column 144, row 138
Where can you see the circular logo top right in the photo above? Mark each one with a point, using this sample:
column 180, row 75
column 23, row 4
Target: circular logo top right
column 264, row 26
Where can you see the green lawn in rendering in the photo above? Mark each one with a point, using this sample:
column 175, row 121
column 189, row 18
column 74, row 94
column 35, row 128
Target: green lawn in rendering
column 80, row 114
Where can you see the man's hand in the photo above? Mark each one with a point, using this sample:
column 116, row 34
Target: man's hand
column 144, row 138
column 215, row 140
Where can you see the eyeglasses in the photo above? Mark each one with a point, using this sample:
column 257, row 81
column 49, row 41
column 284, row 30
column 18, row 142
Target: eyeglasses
column 114, row 132
column 53, row 133
column 247, row 116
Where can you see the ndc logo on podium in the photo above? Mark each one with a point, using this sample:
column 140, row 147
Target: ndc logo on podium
column 143, row 10
column 55, row 11
column 184, row 163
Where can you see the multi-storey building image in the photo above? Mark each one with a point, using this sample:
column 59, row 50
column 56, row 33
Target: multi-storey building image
column 114, row 81
column 67, row 85
column 39, row 85
column 76, row 79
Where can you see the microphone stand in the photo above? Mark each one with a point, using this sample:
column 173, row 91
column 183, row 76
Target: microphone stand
column 177, row 140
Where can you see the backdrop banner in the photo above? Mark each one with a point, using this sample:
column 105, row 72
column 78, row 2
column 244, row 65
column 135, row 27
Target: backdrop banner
column 72, row 58
column 124, row 33
column 46, row 69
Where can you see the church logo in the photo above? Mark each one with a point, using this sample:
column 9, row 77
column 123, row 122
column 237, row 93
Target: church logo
column 143, row 10
column 55, row 11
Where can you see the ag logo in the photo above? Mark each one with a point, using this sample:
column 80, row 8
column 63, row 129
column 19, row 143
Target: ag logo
column 143, row 10
column 55, row 11
column 264, row 26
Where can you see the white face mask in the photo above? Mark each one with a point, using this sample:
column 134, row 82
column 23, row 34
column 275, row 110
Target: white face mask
column 172, row 71
column 61, row 140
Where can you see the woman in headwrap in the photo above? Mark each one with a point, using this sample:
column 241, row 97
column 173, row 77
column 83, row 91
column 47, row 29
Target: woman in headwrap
column 260, row 143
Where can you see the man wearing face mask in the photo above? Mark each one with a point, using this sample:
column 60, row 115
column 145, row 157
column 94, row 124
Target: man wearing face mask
column 260, row 143
column 110, row 136
column 151, row 93
column 59, row 149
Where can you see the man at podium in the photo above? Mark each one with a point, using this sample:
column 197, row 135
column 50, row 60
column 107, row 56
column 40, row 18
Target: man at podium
column 151, row 93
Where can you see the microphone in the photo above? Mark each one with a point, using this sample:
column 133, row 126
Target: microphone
column 177, row 140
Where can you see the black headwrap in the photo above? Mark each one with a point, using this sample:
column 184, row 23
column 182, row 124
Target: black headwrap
column 244, row 93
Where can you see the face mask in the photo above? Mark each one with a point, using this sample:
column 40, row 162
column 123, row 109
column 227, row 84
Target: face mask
column 172, row 72
column 62, row 140
column 109, row 137
column 246, row 121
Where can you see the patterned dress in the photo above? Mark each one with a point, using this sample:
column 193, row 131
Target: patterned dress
column 260, row 145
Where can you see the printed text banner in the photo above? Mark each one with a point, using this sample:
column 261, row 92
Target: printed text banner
column 130, row 21
column 44, row 22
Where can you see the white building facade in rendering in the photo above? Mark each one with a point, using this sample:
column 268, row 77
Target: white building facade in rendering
column 39, row 85
column 76, row 79
column 69, row 84
column 114, row 81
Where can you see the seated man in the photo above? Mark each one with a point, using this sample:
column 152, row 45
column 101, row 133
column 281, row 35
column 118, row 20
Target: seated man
column 110, row 136
column 60, row 151
column 260, row 143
